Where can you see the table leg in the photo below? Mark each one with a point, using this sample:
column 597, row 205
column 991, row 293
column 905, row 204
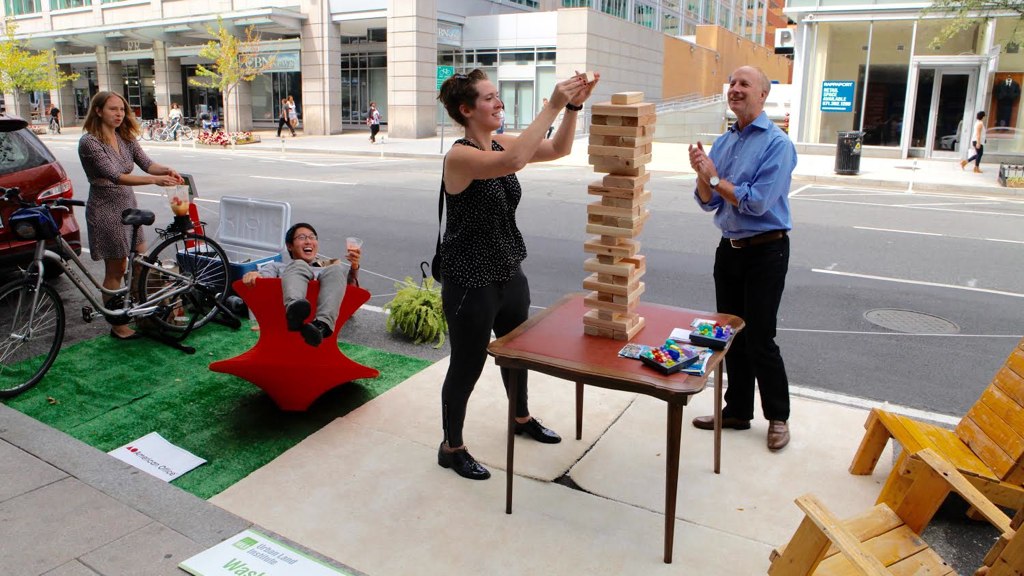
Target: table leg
column 718, row 418
column 579, row 410
column 513, row 389
column 675, row 425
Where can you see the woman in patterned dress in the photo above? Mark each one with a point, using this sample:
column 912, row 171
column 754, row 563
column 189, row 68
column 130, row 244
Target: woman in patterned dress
column 109, row 152
column 484, row 287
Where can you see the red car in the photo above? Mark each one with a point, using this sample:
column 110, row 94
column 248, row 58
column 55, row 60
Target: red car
column 26, row 163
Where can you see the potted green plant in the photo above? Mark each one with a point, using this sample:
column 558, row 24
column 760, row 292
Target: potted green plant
column 416, row 311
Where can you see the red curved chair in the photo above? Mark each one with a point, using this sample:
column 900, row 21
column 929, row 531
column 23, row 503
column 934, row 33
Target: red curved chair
column 292, row 372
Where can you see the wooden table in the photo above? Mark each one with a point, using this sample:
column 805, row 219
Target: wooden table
column 553, row 342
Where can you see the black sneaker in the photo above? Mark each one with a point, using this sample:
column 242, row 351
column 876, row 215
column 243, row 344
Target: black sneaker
column 296, row 313
column 462, row 462
column 311, row 334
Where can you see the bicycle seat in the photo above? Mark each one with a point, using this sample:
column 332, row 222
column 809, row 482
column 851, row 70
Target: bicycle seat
column 136, row 217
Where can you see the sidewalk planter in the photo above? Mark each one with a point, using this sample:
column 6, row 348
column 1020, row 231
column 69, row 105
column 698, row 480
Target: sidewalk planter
column 1011, row 175
column 224, row 139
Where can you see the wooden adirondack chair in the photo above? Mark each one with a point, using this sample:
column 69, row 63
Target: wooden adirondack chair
column 987, row 446
column 885, row 540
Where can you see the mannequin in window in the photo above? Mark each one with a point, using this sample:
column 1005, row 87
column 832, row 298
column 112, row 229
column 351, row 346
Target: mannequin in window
column 1006, row 93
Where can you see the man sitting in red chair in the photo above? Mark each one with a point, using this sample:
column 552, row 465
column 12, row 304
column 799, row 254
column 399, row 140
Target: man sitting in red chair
column 306, row 264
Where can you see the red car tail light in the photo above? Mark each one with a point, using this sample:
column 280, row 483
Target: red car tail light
column 61, row 189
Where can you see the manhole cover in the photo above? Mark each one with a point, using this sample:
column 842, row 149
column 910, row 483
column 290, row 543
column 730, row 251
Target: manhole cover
column 910, row 321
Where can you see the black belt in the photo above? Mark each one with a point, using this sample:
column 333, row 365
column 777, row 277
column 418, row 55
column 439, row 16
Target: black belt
column 757, row 239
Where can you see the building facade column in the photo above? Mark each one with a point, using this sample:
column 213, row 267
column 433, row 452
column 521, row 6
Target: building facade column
column 18, row 104
column 412, row 68
column 64, row 98
column 321, row 71
column 238, row 108
column 109, row 75
column 167, row 72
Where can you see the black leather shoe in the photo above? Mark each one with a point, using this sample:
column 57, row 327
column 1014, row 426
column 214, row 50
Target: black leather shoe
column 708, row 423
column 462, row 462
column 534, row 429
column 296, row 313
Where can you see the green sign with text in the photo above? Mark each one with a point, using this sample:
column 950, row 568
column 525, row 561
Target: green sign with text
column 444, row 73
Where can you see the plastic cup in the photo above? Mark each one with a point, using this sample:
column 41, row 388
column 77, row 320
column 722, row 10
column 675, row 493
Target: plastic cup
column 353, row 242
column 178, row 198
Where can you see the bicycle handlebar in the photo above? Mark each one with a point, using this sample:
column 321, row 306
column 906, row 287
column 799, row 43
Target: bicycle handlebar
column 14, row 195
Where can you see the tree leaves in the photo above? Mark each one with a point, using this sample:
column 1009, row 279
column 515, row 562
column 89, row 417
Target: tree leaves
column 22, row 70
column 416, row 312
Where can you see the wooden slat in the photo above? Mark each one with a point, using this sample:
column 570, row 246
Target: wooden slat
column 630, row 131
column 1010, row 383
column 593, row 300
column 591, row 283
column 852, row 550
column 619, row 151
column 600, row 209
column 620, row 141
column 618, row 120
column 924, row 563
column 943, row 441
column 962, row 486
column 876, row 436
column 927, row 491
column 1015, row 362
column 624, row 269
column 640, row 200
column 997, row 430
column 598, row 189
column 904, row 430
column 802, row 554
column 887, row 549
column 621, row 322
column 873, row 522
column 990, row 453
column 1005, row 408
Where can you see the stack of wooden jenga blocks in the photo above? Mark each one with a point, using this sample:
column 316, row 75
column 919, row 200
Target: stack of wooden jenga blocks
column 621, row 133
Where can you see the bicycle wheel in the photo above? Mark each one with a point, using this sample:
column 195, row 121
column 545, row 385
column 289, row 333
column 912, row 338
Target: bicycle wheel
column 31, row 331
column 147, row 132
column 194, row 266
column 185, row 133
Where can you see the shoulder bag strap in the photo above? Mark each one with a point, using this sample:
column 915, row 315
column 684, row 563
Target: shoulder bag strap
column 440, row 207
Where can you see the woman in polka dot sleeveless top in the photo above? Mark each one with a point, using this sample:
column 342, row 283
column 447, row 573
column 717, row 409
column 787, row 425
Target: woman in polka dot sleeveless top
column 484, row 288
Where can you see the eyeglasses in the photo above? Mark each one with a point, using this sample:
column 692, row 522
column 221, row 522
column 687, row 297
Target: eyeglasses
column 304, row 237
column 460, row 77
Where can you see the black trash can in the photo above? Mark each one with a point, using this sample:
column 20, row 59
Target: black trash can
column 848, row 152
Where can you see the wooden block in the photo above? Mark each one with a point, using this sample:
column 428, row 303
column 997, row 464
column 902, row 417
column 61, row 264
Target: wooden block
column 589, row 77
column 616, row 231
column 620, row 322
column 620, row 98
column 639, row 262
column 619, row 151
column 600, row 332
column 626, row 270
column 620, row 141
column 631, row 110
column 615, row 164
column 598, row 208
column 591, row 283
column 624, row 131
column 606, row 259
column 595, row 300
column 631, row 332
column 624, row 249
column 610, row 240
column 627, row 202
column 624, row 122
column 633, row 295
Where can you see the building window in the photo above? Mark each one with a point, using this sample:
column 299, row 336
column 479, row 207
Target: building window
column 645, row 15
column 64, row 4
column 19, row 7
column 575, row 3
column 527, row 3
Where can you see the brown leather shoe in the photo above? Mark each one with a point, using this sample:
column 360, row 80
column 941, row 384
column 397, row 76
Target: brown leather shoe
column 778, row 435
column 708, row 423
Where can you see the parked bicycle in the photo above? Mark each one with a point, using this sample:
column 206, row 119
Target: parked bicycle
column 149, row 128
column 181, row 286
column 173, row 131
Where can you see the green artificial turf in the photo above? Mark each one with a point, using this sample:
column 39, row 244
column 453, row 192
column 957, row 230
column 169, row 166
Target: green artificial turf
column 108, row 393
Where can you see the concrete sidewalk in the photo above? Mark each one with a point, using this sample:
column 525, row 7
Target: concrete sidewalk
column 943, row 175
column 365, row 492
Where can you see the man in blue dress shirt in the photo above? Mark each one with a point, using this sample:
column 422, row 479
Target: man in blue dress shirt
column 745, row 181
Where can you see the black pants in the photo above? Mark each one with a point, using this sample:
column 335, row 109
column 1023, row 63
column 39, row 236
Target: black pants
column 977, row 155
column 471, row 314
column 281, row 123
column 374, row 128
column 749, row 283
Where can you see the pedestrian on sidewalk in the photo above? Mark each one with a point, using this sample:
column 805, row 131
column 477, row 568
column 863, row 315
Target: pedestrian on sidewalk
column 978, row 142
column 282, row 118
column 55, row 119
column 373, row 121
column 484, row 288
column 745, row 181
column 293, row 115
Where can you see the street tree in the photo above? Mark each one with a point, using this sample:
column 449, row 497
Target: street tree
column 235, row 60
column 25, row 70
column 967, row 13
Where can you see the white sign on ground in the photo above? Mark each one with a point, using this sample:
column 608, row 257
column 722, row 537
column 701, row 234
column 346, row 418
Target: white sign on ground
column 156, row 456
column 253, row 554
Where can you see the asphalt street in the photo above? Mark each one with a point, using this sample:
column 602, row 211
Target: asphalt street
column 941, row 257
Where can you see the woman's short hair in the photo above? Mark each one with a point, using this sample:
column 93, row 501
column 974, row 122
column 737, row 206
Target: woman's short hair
column 460, row 90
column 129, row 128
column 981, row 115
